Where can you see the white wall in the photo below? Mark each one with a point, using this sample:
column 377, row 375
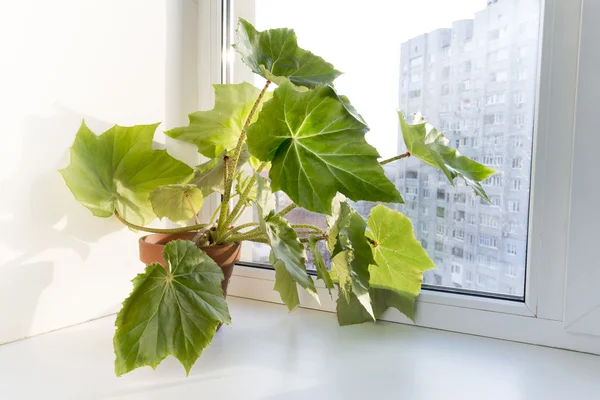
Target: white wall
column 107, row 61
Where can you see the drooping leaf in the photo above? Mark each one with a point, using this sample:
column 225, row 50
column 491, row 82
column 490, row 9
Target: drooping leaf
column 217, row 131
column 401, row 260
column 242, row 182
column 176, row 202
column 118, row 169
column 209, row 176
column 352, row 312
column 351, row 255
column 173, row 311
column 429, row 145
column 317, row 148
column 285, row 284
column 322, row 272
column 274, row 54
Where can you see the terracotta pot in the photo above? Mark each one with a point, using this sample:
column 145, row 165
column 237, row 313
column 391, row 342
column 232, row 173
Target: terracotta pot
column 226, row 255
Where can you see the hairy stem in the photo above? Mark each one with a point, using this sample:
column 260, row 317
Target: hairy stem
column 236, row 213
column 286, row 210
column 389, row 160
column 311, row 227
column 189, row 199
column 158, row 230
column 234, row 161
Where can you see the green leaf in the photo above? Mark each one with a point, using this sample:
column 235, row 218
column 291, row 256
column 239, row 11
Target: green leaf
column 351, row 255
column 401, row 260
column 218, row 130
column 427, row 144
column 285, row 284
column 209, row 176
column 274, row 54
column 317, row 148
column 322, row 272
column 289, row 251
column 173, row 311
column 242, row 182
column 118, row 169
column 352, row 312
column 176, row 201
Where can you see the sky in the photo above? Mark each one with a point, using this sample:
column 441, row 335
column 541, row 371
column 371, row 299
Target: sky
column 362, row 39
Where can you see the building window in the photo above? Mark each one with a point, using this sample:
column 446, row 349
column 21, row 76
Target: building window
column 494, row 180
column 519, row 98
column 517, row 141
column 511, row 249
column 511, row 270
column 471, row 219
column 464, row 85
column 458, row 234
column 488, row 220
column 469, row 276
column 441, row 194
column 456, row 268
column 513, row 226
column 423, row 226
column 415, row 62
column 492, row 160
column 415, row 77
column 424, row 243
column 517, row 162
column 514, row 206
column 446, row 72
column 495, row 98
column 467, row 66
column 410, row 174
column 441, row 229
column 519, row 121
column 445, row 90
column 446, row 52
column 516, row 184
column 412, row 206
column 413, row 94
column 439, row 246
column 499, row 77
column 470, row 239
column 425, row 210
column 412, row 190
column 475, row 143
column 460, row 198
column 488, row 241
column 493, row 119
column 522, row 74
column 458, row 252
column 440, row 212
column 425, row 193
column 459, row 216
column 481, row 280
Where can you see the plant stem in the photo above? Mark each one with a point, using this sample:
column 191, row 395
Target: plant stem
column 234, row 230
column 158, row 230
column 389, row 160
column 311, row 227
column 234, row 161
column 187, row 196
column 305, row 240
column 253, row 234
column 236, row 213
column 286, row 210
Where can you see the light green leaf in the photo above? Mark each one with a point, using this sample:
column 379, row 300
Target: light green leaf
column 351, row 255
column 274, row 54
column 288, row 250
column 284, row 284
column 241, row 184
column 218, row 130
column 118, row 169
column 209, row 175
column 317, row 148
column 427, row 144
column 322, row 272
column 173, row 311
column 176, row 202
column 352, row 312
column 400, row 258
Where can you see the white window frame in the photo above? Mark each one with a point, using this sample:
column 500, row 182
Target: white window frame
column 545, row 308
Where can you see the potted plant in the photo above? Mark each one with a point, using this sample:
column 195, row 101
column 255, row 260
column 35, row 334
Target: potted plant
column 311, row 141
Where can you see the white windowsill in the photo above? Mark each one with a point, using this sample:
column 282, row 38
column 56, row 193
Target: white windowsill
column 269, row 354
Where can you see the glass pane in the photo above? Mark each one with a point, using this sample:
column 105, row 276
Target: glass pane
column 470, row 67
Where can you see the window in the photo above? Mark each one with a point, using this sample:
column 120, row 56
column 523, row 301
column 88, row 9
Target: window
column 458, row 234
column 469, row 276
column 441, row 194
column 511, row 270
column 499, row 55
column 423, row 226
column 457, row 252
column 517, row 141
column 425, row 193
column 459, row 216
column 475, row 143
column 415, row 62
column 410, row 174
column 522, row 74
column 415, row 77
column 413, row 94
column 467, row 66
column 472, row 220
column 412, row 190
column 456, row 268
column 470, row 239
column 511, row 249
column 519, row 98
column 424, row 243
column 445, row 90
column 493, row 119
column 488, row 241
column 494, row 180
column 439, row 246
column 425, row 211
column 489, row 220
column 519, row 121
column 499, row 77
column 440, row 212
column 517, row 162
column 446, row 72
column 516, row 184
column 441, row 229
column 446, row 52
column 481, row 280
column 495, row 98
column 514, row 206
column 465, row 85
column 460, row 198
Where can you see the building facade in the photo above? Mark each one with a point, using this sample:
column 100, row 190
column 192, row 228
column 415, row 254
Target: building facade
column 475, row 82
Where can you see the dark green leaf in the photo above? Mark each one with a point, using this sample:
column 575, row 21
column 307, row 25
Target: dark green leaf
column 119, row 169
column 217, row 131
column 317, row 148
column 274, row 54
column 173, row 311
column 427, row 144
column 352, row 312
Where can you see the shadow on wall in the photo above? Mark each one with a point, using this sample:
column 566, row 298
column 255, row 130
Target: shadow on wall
column 38, row 216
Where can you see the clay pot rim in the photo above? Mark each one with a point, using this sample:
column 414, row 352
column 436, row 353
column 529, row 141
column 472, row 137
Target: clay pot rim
column 144, row 240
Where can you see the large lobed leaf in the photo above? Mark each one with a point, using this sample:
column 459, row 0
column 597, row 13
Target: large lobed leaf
column 118, row 169
column 274, row 54
column 218, row 130
column 316, row 144
column 429, row 145
column 351, row 255
column 173, row 311
column 351, row 312
column 176, row 202
column 287, row 252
